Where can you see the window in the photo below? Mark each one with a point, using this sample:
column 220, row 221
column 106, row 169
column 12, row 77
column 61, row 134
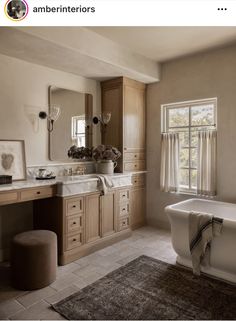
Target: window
column 187, row 118
column 78, row 130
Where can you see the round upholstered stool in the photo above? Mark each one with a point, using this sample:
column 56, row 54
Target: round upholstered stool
column 34, row 259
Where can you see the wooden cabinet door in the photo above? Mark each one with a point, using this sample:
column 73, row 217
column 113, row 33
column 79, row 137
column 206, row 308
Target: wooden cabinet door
column 93, row 218
column 137, row 207
column 112, row 102
column 134, row 118
column 108, row 209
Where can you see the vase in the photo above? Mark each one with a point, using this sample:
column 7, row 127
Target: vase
column 106, row 166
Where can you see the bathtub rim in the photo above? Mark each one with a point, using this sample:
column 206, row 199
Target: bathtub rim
column 171, row 208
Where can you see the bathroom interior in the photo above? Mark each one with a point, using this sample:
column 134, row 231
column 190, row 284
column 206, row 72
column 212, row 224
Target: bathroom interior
column 117, row 173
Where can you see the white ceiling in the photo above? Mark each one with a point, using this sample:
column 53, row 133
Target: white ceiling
column 77, row 50
column 108, row 52
column 165, row 43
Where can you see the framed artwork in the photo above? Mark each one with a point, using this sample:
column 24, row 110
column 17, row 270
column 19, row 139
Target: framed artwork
column 12, row 159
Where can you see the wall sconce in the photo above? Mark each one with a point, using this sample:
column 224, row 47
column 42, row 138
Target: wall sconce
column 31, row 112
column 104, row 119
column 53, row 115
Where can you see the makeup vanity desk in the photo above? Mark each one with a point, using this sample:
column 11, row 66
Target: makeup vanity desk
column 24, row 191
column 83, row 219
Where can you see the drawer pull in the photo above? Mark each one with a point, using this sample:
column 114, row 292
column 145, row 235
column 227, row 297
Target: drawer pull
column 74, row 240
column 135, row 181
column 74, row 206
column 135, row 156
column 38, row 192
column 123, row 195
column 74, row 223
column 135, row 165
column 123, row 209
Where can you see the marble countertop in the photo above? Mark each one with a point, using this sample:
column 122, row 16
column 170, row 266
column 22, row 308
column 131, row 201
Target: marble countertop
column 33, row 183
column 29, row 183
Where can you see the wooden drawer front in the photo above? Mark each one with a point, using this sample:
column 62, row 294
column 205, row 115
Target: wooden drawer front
column 74, row 223
column 134, row 156
column 134, row 166
column 74, row 206
column 124, row 209
column 138, row 180
column 124, row 223
column 74, row 241
column 8, row 197
column 32, row 194
column 124, row 195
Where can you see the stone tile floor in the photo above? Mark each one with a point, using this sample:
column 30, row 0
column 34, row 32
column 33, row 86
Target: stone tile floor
column 35, row 305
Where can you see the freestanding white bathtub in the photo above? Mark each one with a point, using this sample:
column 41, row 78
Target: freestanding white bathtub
column 223, row 247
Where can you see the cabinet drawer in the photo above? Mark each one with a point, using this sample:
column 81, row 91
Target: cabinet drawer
column 74, row 241
column 124, row 209
column 8, row 197
column 134, row 156
column 74, row 206
column 124, row 223
column 74, row 223
column 134, row 166
column 138, row 180
column 124, row 195
column 32, row 194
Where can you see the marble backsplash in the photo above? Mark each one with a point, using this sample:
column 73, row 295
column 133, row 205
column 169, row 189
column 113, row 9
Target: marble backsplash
column 60, row 169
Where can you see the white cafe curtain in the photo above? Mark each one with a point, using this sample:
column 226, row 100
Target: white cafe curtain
column 206, row 173
column 169, row 176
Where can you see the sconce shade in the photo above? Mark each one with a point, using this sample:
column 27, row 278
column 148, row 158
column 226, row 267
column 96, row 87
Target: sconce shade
column 53, row 115
column 105, row 118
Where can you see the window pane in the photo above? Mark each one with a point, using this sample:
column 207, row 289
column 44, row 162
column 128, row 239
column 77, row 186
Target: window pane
column 194, row 178
column 193, row 162
column 194, row 139
column 184, row 139
column 184, row 178
column 184, row 157
column 178, row 117
column 202, row 115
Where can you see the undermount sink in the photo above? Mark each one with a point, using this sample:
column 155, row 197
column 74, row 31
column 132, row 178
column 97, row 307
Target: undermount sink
column 78, row 184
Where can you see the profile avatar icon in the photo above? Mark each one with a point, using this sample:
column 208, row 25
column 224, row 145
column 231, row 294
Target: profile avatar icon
column 16, row 9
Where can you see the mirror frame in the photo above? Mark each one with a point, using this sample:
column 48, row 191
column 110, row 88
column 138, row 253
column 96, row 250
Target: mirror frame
column 88, row 129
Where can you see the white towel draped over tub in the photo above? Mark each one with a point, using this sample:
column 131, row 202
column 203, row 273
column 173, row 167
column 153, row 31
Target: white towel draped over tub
column 202, row 228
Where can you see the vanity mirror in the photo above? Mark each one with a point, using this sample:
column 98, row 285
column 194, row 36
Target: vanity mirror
column 74, row 126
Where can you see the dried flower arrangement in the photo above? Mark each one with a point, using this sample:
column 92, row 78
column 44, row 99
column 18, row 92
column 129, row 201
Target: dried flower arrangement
column 106, row 152
column 80, row 152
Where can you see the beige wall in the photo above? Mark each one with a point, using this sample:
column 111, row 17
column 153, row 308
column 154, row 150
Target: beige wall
column 22, row 84
column 25, row 84
column 205, row 75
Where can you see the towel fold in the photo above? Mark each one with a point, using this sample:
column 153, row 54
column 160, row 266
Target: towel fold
column 104, row 183
column 202, row 228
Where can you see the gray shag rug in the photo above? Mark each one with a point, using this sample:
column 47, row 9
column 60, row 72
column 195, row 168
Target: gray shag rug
column 149, row 289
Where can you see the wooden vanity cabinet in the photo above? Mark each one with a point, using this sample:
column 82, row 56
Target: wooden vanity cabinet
column 93, row 218
column 125, row 99
column 108, row 214
column 138, row 201
column 84, row 223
